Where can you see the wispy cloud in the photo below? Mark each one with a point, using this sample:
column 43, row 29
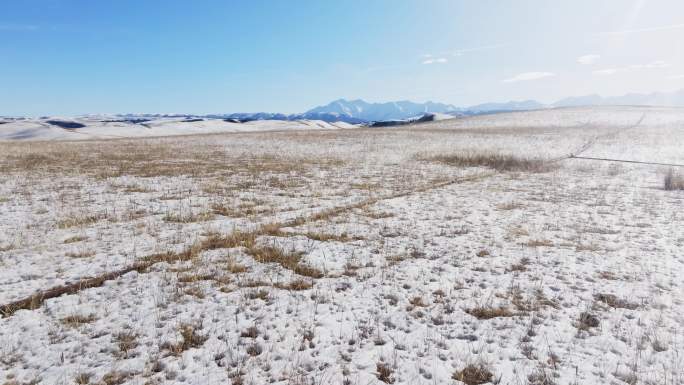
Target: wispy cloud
column 18, row 27
column 648, row 29
column 527, row 76
column 588, row 59
column 655, row 64
column 441, row 57
column 634, row 67
column 439, row 60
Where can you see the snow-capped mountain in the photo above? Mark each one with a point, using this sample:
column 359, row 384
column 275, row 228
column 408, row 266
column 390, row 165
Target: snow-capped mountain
column 356, row 112
column 503, row 107
column 374, row 112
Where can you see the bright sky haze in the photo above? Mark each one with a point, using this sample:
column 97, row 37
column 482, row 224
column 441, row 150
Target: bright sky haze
column 69, row 57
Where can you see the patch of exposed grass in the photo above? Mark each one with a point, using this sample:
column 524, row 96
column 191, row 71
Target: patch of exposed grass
column 474, row 375
column 116, row 377
column 189, row 338
column 250, row 332
column 484, row 313
column 242, row 210
column 188, row 218
column 385, row 373
column 7, row 247
column 126, row 341
column 673, row 181
column 76, row 320
column 254, row 349
column 149, row 157
column 615, row 302
column 496, row 161
column 509, row 206
column 377, row 214
column 235, row 267
column 289, row 260
column 539, row 243
column 261, row 294
column 83, row 378
column 75, row 238
column 196, row 277
column 77, row 221
column 325, row 237
column 253, row 283
column 272, row 229
column 587, row 320
column 228, row 241
column 417, row 301
column 296, row 285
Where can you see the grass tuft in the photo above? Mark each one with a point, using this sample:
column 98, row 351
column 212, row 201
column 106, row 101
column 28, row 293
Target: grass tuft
column 289, row 260
column 385, row 373
column 76, row 320
column 489, row 312
column 673, row 181
column 190, row 338
column 473, row 375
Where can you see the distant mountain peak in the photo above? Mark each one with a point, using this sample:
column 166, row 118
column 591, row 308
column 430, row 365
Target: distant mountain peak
column 359, row 109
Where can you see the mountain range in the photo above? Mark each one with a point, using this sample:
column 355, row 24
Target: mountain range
column 401, row 112
column 359, row 111
column 665, row 99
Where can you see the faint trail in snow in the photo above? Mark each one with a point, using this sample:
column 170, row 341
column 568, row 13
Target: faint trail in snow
column 590, row 143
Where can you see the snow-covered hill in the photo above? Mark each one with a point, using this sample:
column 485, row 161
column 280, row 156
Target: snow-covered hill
column 109, row 127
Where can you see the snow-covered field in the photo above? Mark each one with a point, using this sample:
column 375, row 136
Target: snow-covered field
column 360, row 256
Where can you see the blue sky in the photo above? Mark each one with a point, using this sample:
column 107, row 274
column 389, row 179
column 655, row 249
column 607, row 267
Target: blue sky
column 208, row 56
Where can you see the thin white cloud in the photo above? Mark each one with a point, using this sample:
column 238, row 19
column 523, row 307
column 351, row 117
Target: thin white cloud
column 649, row 29
column 655, row 64
column 658, row 64
column 439, row 60
column 18, row 27
column 527, row 76
column 588, row 59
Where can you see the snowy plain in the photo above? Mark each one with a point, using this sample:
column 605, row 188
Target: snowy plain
column 406, row 269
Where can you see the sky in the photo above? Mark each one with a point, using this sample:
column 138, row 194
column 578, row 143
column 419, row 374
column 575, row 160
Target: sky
column 70, row 57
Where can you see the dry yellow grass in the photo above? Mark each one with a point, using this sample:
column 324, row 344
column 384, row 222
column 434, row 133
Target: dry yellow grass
column 474, row 375
column 496, row 161
column 288, row 260
column 326, row 237
column 76, row 320
column 484, row 313
column 147, row 158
